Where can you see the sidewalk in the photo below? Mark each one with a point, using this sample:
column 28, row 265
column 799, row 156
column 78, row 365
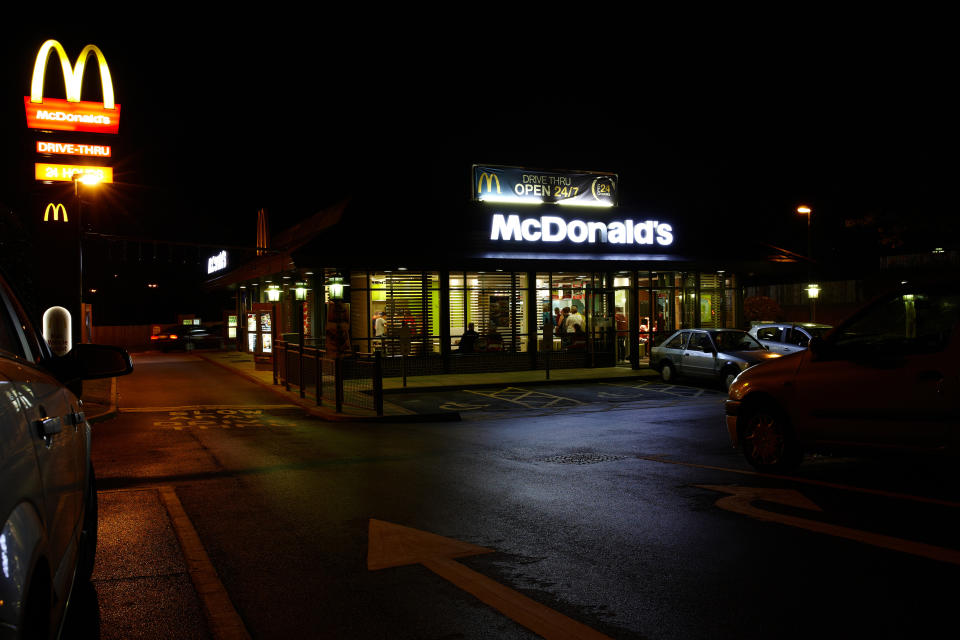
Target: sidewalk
column 242, row 364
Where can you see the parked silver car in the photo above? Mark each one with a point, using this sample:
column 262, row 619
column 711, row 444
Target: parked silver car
column 788, row 337
column 48, row 500
column 720, row 354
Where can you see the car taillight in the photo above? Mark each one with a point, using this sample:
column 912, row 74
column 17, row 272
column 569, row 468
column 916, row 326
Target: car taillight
column 173, row 336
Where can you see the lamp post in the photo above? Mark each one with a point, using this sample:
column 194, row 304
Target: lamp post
column 807, row 211
column 813, row 290
column 89, row 179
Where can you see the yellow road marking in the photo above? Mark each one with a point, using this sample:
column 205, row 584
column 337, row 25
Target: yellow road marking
column 741, row 501
column 517, row 395
column 225, row 623
column 393, row 545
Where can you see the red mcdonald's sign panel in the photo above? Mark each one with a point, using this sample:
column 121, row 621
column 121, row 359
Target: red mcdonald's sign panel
column 71, row 114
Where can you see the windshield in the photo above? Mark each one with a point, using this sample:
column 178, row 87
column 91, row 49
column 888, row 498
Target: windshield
column 918, row 323
column 817, row 332
column 735, row 341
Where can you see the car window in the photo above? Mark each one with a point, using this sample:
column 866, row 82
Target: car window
column 677, row 341
column 770, row 333
column 10, row 343
column 905, row 323
column 798, row 337
column 699, row 342
column 735, row 341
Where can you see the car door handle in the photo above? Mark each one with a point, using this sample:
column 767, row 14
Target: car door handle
column 49, row 426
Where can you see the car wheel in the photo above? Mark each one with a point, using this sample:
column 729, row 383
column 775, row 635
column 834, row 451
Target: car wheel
column 88, row 536
column 768, row 440
column 667, row 374
column 727, row 377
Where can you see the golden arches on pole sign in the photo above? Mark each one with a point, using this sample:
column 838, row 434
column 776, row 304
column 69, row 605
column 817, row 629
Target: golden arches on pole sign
column 72, row 75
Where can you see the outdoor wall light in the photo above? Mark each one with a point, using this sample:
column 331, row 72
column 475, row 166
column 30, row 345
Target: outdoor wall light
column 273, row 293
column 335, row 286
column 813, row 291
column 300, row 291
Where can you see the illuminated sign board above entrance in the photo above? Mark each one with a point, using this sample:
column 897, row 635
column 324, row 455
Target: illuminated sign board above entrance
column 550, row 228
column 518, row 185
column 72, row 114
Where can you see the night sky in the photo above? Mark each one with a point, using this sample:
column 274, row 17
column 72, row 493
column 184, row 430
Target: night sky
column 720, row 125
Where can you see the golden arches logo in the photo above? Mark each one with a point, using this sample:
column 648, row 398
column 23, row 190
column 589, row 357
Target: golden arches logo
column 490, row 178
column 72, row 75
column 56, row 209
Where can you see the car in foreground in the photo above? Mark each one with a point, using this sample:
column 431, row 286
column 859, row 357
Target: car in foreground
column 48, row 501
column 189, row 337
column 788, row 337
column 887, row 378
column 718, row 354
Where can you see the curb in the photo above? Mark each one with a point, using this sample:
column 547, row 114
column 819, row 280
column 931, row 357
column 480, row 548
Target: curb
column 483, row 385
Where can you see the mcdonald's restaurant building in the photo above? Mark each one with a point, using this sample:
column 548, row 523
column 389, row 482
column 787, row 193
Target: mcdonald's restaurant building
column 507, row 261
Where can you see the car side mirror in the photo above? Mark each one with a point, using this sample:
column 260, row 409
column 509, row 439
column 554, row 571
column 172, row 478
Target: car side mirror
column 92, row 361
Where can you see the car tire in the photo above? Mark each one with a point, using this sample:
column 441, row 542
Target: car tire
column 667, row 374
column 727, row 377
column 35, row 622
column 767, row 439
column 88, row 535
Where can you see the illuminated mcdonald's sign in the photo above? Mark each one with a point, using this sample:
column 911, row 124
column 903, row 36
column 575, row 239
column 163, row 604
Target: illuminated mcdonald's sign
column 64, row 172
column 502, row 184
column 489, row 179
column 73, row 149
column 71, row 114
column 55, row 209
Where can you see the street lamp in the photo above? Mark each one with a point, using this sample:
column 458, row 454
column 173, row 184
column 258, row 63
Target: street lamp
column 813, row 290
column 89, row 179
column 807, row 211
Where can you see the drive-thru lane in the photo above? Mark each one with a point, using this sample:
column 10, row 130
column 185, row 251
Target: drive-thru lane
column 613, row 519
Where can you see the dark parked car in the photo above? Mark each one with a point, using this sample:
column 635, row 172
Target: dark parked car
column 886, row 378
column 48, row 500
column 189, row 337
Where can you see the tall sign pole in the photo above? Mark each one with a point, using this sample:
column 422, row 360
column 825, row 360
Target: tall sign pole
column 70, row 149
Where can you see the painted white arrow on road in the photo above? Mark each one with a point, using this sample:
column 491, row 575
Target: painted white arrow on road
column 393, row 545
column 741, row 501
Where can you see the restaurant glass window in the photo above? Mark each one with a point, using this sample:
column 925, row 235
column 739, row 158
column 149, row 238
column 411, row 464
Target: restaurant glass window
column 644, row 309
column 361, row 312
column 729, row 301
column 409, row 304
column 622, row 285
column 664, row 306
column 687, row 299
column 495, row 302
column 711, row 300
column 546, row 311
column 598, row 300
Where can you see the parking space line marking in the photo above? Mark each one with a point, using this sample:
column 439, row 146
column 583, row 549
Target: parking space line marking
column 225, row 623
column 511, row 396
